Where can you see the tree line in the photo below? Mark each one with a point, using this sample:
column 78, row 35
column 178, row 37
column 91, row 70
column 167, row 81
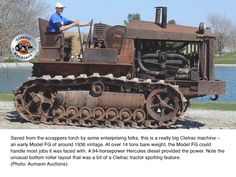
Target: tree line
column 225, row 33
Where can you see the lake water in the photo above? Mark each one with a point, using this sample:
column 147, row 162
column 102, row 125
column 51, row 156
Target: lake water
column 229, row 75
column 12, row 75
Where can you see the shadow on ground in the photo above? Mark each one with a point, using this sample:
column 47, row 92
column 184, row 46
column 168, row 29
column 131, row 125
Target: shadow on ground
column 188, row 124
column 14, row 117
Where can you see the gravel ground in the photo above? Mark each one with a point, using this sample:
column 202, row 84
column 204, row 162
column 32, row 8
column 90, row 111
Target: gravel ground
column 194, row 119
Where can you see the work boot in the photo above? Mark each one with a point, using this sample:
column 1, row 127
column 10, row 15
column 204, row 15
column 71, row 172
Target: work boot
column 75, row 59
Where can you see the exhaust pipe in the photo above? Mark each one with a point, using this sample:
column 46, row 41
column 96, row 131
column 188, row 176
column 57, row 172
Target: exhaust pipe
column 161, row 13
column 164, row 17
column 158, row 16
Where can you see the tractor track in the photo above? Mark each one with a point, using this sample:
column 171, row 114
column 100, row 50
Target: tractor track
column 36, row 99
column 194, row 120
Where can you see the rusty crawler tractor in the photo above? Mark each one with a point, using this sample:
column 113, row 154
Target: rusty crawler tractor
column 141, row 76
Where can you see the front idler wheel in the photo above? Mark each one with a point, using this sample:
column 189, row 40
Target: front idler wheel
column 162, row 105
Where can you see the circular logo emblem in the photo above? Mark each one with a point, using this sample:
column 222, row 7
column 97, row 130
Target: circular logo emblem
column 24, row 47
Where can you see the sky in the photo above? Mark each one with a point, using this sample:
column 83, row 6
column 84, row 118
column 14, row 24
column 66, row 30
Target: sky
column 114, row 12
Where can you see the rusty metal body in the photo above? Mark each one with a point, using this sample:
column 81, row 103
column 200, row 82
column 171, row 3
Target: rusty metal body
column 84, row 98
column 156, row 67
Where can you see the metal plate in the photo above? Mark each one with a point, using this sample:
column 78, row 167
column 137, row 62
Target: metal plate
column 211, row 87
column 100, row 55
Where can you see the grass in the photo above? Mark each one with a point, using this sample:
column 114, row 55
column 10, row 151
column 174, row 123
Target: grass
column 10, row 59
column 222, row 106
column 229, row 58
column 6, row 97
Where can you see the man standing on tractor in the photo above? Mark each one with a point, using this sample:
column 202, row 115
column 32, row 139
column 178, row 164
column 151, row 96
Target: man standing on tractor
column 58, row 23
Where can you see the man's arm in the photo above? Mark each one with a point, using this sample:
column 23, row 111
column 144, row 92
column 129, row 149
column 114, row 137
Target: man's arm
column 66, row 27
column 84, row 24
column 73, row 24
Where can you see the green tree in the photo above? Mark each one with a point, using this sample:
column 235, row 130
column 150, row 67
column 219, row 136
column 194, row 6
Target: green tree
column 172, row 21
column 132, row 16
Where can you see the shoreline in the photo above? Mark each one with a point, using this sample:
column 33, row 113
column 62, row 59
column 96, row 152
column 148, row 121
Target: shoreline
column 226, row 65
column 16, row 64
column 27, row 64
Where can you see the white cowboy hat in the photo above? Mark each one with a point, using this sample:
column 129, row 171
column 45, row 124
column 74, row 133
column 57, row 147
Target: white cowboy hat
column 59, row 5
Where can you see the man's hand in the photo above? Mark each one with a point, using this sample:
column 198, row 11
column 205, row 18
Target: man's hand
column 89, row 23
column 77, row 22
